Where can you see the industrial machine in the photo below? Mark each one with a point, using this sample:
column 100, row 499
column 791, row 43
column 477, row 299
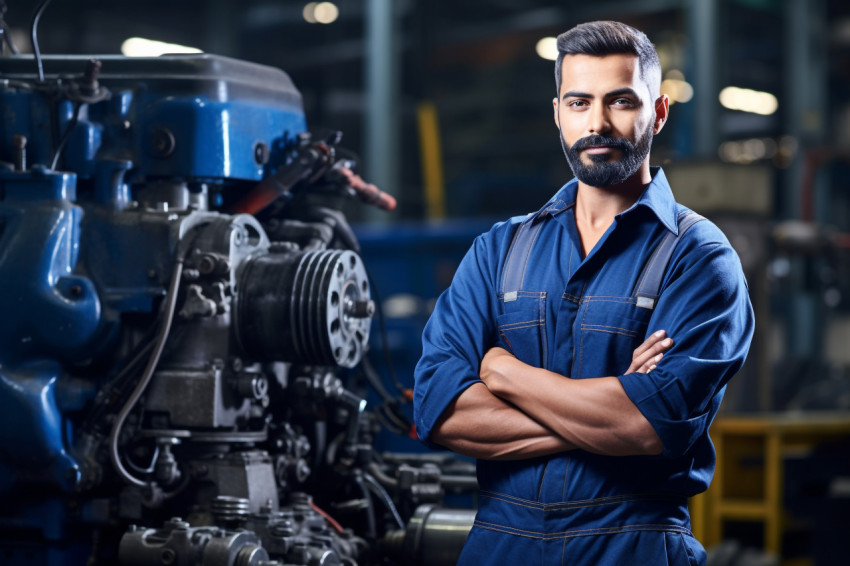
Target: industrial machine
column 184, row 326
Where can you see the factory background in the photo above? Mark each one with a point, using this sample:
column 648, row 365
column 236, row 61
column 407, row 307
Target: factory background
column 448, row 106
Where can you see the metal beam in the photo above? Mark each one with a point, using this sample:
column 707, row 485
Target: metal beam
column 381, row 153
column 703, row 31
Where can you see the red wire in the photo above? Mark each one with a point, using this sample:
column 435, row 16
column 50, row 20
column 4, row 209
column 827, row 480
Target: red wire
column 330, row 519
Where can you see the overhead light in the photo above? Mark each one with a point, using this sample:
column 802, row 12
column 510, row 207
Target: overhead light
column 548, row 48
column 320, row 12
column 678, row 90
column 141, row 47
column 309, row 13
column 747, row 100
column 748, row 151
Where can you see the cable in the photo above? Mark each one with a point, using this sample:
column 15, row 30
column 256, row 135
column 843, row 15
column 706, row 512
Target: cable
column 150, row 469
column 379, row 474
column 385, row 421
column 382, row 494
column 327, row 517
column 385, row 344
column 370, row 507
column 159, row 345
column 34, row 34
column 374, row 379
column 69, row 128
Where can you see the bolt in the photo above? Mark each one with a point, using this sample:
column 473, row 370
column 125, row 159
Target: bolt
column 360, row 309
column 261, row 153
column 206, row 264
column 19, row 142
column 162, row 141
column 92, row 70
column 167, row 556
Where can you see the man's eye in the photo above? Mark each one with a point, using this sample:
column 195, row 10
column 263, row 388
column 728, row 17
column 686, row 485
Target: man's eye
column 577, row 103
column 623, row 102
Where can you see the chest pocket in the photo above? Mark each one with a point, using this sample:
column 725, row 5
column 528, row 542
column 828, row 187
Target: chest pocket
column 522, row 327
column 610, row 329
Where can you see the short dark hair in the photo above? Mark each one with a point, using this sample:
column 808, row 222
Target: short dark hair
column 609, row 38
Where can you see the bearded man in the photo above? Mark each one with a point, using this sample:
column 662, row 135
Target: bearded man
column 582, row 351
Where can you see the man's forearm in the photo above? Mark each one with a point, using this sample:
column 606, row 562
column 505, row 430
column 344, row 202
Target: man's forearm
column 481, row 425
column 592, row 414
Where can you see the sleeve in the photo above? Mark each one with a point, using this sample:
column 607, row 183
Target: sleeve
column 458, row 333
column 705, row 307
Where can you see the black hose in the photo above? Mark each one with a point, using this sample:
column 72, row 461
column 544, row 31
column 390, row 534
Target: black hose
column 385, row 344
column 382, row 494
column 69, row 128
column 34, row 34
column 375, row 380
column 385, row 480
column 371, row 531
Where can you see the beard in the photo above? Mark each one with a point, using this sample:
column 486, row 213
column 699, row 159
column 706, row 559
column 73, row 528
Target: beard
column 603, row 171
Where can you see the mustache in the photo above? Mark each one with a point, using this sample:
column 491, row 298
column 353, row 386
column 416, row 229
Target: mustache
column 596, row 141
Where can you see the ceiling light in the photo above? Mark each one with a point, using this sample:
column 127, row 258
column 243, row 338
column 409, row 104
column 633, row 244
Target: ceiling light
column 309, row 13
column 747, row 100
column 548, row 48
column 678, row 90
column 320, row 12
column 141, row 47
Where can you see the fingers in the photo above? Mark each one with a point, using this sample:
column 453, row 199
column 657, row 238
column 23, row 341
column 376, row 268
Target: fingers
column 648, row 354
column 653, row 339
column 650, row 364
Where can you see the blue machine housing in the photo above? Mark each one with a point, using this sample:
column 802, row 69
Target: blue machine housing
column 188, row 116
column 204, row 120
column 182, row 311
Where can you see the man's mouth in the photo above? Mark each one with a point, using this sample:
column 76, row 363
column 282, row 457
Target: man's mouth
column 598, row 149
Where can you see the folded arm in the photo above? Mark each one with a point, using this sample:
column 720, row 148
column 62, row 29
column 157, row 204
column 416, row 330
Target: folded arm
column 523, row 411
column 592, row 414
column 481, row 425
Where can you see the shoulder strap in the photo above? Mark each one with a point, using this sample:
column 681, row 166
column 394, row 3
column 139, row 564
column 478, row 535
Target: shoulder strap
column 518, row 254
column 649, row 282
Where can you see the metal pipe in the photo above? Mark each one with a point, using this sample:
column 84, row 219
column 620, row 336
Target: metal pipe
column 381, row 155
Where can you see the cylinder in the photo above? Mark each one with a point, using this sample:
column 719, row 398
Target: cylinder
column 305, row 307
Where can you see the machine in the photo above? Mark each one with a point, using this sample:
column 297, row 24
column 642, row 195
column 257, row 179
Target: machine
column 184, row 327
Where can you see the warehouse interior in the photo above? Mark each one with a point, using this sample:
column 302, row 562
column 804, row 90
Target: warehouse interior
column 446, row 106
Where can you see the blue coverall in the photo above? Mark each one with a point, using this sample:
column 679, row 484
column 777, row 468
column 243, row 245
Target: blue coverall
column 578, row 317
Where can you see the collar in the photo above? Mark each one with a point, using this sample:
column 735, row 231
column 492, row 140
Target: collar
column 657, row 197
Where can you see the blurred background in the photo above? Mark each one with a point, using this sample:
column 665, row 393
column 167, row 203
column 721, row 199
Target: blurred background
column 448, row 105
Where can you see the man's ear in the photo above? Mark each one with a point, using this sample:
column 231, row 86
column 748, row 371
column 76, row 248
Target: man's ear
column 555, row 116
column 662, row 112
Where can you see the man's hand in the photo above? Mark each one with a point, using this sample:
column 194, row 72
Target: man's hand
column 495, row 364
column 647, row 355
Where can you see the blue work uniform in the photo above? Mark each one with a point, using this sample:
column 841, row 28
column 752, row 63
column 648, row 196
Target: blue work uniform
column 579, row 317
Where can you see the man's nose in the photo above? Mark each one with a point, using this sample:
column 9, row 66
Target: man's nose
column 598, row 120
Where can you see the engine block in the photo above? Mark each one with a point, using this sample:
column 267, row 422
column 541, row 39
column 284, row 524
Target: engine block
column 184, row 312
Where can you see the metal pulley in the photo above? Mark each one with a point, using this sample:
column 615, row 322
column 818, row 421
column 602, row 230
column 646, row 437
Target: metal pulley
column 306, row 307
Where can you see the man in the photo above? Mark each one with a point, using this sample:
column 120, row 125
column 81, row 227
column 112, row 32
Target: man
column 586, row 405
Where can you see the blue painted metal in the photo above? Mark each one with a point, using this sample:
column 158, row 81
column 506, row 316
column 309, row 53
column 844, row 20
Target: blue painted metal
column 75, row 256
column 217, row 110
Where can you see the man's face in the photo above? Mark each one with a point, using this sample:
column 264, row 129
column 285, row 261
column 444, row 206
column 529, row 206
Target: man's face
column 607, row 117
